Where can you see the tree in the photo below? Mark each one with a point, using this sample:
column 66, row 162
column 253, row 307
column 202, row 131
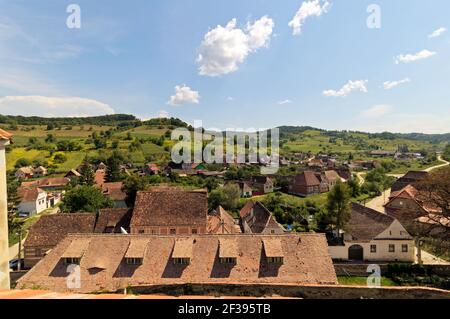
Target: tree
column 13, row 202
column 131, row 186
column 22, row 162
column 338, row 205
column 86, row 173
column 85, row 198
column 434, row 193
column 113, row 168
column 50, row 138
column 355, row 189
column 228, row 197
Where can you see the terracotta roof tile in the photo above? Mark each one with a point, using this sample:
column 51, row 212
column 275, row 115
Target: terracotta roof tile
column 170, row 207
column 102, row 268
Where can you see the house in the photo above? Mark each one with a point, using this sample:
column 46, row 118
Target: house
column 304, row 184
column 39, row 171
column 257, row 219
column 115, row 262
column 114, row 191
column 102, row 166
column 24, row 172
column 374, row 236
column 381, row 153
column 151, row 169
column 193, row 166
column 221, row 222
column 48, row 184
column 316, row 164
column 72, row 174
column 99, row 177
column 344, row 172
column 261, row 185
column 113, row 220
column 245, row 188
column 333, row 178
column 33, row 201
column 49, row 230
column 169, row 210
column 409, row 178
column 407, row 205
column 324, row 184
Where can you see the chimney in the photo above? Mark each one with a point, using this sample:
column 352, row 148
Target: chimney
column 4, row 246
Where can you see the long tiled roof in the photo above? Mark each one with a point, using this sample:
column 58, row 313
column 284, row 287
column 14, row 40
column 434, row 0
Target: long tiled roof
column 170, row 207
column 306, row 260
column 49, row 230
column 366, row 223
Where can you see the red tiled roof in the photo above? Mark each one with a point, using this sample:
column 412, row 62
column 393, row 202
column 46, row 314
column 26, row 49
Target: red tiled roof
column 306, row 261
column 170, row 207
column 5, row 135
column 114, row 191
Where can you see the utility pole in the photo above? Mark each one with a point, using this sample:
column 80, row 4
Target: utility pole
column 19, row 265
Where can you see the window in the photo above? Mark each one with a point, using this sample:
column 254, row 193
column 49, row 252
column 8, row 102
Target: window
column 194, row 231
column 173, row 231
column 272, row 231
column 181, row 261
column 404, row 248
column 275, row 260
column 133, row 261
column 373, row 248
column 392, row 248
column 228, row 260
column 72, row 261
column 141, row 231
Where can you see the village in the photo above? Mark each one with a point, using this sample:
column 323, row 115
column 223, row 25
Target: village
column 107, row 219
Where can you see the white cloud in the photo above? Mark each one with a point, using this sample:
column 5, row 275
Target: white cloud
column 163, row 114
column 224, row 48
column 392, row 84
column 359, row 85
column 183, row 95
column 53, row 106
column 308, row 9
column 408, row 58
column 284, row 102
column 377, row 111
column 230, row 98
column 437, row 32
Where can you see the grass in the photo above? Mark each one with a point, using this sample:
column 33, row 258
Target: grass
column 362, row 281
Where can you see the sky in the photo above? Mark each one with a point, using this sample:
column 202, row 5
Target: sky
column 334, row 64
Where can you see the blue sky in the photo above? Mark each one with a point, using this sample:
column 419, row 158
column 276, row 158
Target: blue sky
column 135, row 56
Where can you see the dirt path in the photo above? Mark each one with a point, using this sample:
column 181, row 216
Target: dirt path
column 377, row 203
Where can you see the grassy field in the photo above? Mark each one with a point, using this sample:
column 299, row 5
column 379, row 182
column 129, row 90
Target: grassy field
column 362, row 281
column 317, row 141
column 292, row 200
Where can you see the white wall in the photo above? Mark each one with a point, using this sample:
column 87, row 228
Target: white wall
column 382, row 253
column 4, row 246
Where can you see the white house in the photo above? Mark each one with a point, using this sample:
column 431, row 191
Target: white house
column 34, row 201
column 24, row 172
column 374, row 236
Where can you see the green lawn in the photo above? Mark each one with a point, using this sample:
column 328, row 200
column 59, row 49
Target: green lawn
column 362, row 281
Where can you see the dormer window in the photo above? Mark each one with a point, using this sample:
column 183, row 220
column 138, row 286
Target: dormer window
column 228, row 251
column 275, row 260
column 134, row 261
column 182, row 251
column 274, row 251
column 75, row 251
column 136, row 252
column 72, row 261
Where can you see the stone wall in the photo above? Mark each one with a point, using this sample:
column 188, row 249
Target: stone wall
column 306, row 292
column 361, row 269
